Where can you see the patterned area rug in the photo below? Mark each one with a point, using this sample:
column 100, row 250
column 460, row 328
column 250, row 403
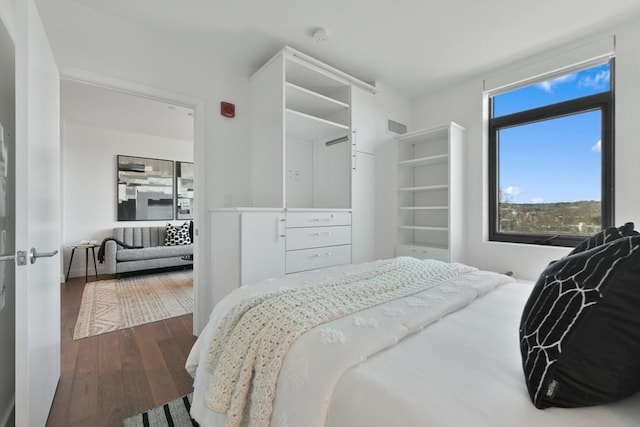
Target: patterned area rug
column 174, row 413
column 110, row 305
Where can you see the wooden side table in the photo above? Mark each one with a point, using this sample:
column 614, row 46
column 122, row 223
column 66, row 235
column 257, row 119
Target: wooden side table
column 86, row 247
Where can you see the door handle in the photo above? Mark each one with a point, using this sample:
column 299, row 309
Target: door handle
column 281, row 228
column 34, row 255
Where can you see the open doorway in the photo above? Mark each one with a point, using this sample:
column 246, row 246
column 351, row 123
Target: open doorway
column 127, row 183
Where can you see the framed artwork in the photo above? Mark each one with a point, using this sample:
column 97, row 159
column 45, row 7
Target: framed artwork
column 145, row 189
column 184, row 190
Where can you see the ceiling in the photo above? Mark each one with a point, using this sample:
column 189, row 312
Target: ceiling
column 106, row 108
column 411, row 46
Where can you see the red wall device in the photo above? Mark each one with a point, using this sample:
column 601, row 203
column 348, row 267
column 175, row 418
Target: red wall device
column 227, row 109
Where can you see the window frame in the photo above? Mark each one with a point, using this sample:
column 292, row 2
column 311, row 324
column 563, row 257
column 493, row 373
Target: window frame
column 602, row 101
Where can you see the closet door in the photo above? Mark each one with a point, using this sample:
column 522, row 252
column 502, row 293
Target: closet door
column 363, row 120
column 363, row 208
column 262, row 246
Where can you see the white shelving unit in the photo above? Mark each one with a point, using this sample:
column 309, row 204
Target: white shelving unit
column 304, row 163
column 300, row 128
column 430, row 192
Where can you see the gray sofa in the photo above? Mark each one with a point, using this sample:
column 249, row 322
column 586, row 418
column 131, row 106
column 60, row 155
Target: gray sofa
column 153, row 255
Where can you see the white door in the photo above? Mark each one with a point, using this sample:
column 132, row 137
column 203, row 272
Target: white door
column 363, row 120
column 37, row 216
column 7, row 225
column 363, row 205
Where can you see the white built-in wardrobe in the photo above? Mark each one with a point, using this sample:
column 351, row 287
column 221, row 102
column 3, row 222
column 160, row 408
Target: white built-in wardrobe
column 312, row 176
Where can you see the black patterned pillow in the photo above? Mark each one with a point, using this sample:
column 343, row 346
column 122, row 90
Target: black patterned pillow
column 177, row 235
column 605, row 236
column 580, row 328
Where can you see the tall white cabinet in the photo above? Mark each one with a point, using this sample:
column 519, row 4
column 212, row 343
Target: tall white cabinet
column 363, row 186
column 312, row 157
column 430, row 212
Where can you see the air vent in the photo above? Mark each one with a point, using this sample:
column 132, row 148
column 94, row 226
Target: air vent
column 395, row 127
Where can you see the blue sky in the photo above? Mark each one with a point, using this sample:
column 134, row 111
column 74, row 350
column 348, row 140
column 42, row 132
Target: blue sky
column 556, row 160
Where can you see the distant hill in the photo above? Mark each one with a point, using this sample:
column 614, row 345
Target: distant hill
column 582, row 217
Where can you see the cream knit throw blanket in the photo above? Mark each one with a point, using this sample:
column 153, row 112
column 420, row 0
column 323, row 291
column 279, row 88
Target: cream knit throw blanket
column 249, row 347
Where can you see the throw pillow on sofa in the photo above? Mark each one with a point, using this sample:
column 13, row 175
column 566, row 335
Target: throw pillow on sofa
column 177, row 235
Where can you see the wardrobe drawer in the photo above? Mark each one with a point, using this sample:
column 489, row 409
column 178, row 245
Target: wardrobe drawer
column 315, row 237
column 310, row 259
column 317, row 219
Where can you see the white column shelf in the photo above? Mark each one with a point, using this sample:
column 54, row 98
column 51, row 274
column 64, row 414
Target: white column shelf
column 430, row 192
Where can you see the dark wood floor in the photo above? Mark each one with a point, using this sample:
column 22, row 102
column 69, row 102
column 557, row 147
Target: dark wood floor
column 109, row 377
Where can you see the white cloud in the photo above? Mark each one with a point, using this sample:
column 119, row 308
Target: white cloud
column 548, row 85
column 537, row 200
column 511, row 190
column 597, row 147
column 599, row 81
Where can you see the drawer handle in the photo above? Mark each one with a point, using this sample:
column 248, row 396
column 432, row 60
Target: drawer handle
column 324, row 255
column 326, row 233
column 325, row 219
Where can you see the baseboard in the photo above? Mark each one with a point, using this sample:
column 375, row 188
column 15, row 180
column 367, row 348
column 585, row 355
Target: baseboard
column 80, row 272
column 8, row 415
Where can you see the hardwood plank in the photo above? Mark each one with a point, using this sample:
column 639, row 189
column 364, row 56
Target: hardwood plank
column 181, row 333
column 136, row 384
column 58, row 413
column 71, row 295
column 162, row 387
column 175, row 360
column 112, row 405
column 84, row 390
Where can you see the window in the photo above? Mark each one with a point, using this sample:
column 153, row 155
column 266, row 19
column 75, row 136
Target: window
column 551, row 159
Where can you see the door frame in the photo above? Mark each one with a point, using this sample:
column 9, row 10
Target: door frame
column 201, row 291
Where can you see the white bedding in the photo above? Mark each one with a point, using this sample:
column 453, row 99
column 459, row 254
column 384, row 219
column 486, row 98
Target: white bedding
column 463, row 370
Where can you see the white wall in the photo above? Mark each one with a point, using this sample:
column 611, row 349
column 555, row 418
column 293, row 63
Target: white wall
column 389, row 105
column 463, row 103
column 89, row 182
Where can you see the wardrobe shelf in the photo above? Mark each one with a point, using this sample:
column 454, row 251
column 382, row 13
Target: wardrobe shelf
column 425, row 188
column 422, row 228
column 425, row 161
column 312, row 103
column 423, row 208
column 430, row 246
column 309, row 77
column 308, row 127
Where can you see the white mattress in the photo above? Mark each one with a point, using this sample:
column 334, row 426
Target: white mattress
column 464, row 370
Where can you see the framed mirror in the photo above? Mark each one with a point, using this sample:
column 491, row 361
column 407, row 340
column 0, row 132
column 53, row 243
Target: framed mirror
column 184, row 190
column 145, row 189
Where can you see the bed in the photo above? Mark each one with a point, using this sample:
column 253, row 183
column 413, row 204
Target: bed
column 393, row 365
